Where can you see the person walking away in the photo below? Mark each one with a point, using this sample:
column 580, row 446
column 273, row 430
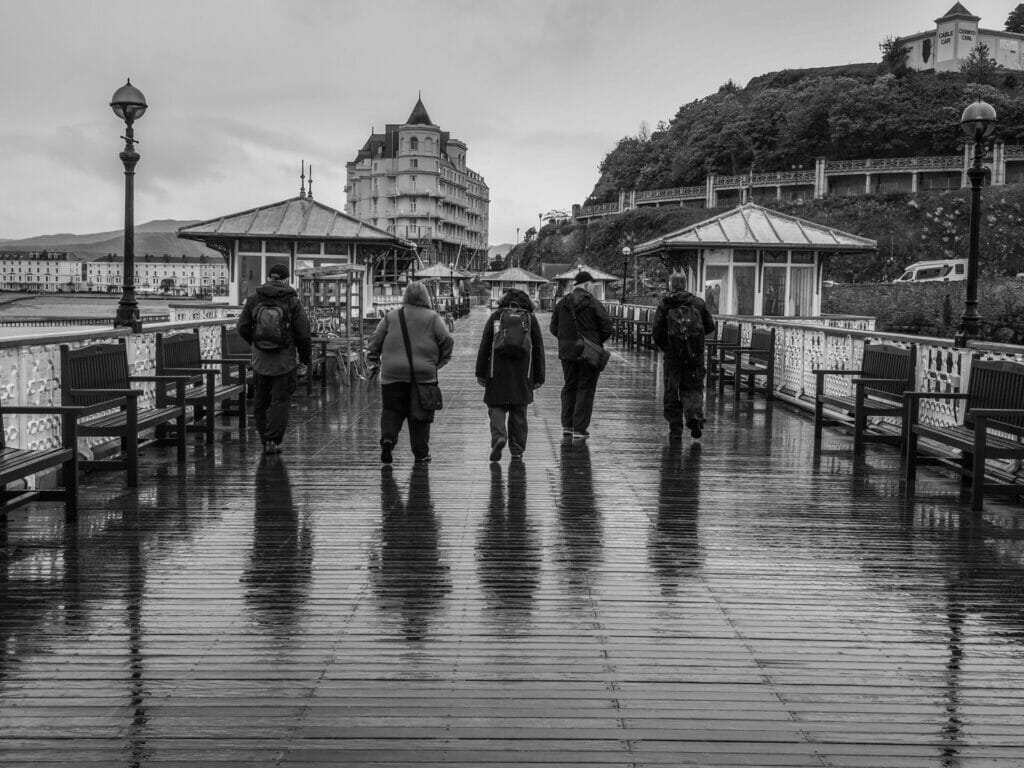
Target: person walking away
column 510, row 366
column 579, row 314
column 681, row 323
column 431, row 347
column 276, row 326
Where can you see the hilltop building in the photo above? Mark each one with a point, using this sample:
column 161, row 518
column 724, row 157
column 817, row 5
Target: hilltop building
column 955, row 35
column 412, row 181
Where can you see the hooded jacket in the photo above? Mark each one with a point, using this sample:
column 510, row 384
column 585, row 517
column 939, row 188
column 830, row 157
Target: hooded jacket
column 510, row 380
column 594, row 322
column 279, row 361
column 659, row 332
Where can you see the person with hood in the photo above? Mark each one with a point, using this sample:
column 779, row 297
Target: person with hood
column 579, row 314
column 510, row 366
column 276, row 326
column 430, row 349
column 681, row 323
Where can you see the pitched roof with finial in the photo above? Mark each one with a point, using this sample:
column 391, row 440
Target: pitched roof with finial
column 958, row 12
column 419, row 114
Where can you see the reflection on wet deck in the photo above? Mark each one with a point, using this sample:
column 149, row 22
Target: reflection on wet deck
column 623, row 602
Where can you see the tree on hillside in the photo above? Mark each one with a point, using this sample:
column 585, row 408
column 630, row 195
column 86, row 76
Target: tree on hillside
column 1015, row 21
column 894, row 55
column 979, row 66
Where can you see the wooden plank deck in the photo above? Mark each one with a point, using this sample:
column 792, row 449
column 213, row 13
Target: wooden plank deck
column 618, row 603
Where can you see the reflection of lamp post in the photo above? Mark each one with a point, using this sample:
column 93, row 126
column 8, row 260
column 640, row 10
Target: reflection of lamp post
column 626, row 251
column 978, row 122
column 129, row 104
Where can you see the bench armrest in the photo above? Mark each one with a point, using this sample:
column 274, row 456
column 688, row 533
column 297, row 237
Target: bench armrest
column 997, row 412
column 158, row 379
column 179, row 383
column 834, row 372
column 879, row 381
column 63, row 410
column 227, row 360
column 113, row 392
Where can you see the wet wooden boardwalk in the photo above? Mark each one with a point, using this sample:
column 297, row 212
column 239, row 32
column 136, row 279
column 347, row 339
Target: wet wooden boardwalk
column 619, row 603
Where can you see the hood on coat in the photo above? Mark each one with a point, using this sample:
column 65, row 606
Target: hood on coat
column 581, row 298
column 515, row 297
column 677, row 299
column 276, row 290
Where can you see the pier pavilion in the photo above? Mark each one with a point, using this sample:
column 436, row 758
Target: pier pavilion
column 755, row 261
column 305, row 234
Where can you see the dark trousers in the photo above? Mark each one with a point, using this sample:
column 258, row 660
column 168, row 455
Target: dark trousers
column 578, row 395
column 395, row 410
column 272, row 399
column 508, row 426
column 684, row 392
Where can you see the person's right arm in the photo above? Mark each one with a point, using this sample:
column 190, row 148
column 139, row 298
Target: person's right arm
column 554, row 320
column 659, row 331
column 483, row 354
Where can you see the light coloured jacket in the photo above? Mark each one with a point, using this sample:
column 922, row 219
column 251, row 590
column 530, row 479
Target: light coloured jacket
column 428, row 336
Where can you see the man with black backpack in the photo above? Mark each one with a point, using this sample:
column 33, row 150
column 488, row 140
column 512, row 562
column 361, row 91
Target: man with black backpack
column 276, row 326
column 681, row 322
column 510, row 366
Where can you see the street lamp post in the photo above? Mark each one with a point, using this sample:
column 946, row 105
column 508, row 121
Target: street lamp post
column 129, row 104
column 978, row 122
column 626, row 251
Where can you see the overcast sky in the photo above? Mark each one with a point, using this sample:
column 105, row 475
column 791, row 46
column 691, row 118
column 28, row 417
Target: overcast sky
column 240, row 91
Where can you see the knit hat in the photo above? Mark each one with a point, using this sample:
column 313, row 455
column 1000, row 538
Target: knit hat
column 583, row 277
column 279, row 271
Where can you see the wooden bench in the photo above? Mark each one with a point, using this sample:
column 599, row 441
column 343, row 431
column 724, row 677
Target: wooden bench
column 206, row 388
column 885, row 374
column 728, row 340
column 745, row 365
column 97, row 379
column 993, row 427
column 18, row 464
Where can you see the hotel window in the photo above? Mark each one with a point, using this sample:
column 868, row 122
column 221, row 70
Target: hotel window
column 414, row 144
column 414, row 163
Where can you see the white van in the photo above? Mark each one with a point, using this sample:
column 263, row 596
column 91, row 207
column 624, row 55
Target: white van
column 944, row 270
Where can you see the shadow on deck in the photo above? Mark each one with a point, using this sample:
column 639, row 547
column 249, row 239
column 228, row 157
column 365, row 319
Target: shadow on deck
column 622, row 602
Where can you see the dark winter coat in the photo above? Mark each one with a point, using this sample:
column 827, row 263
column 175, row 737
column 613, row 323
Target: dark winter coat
column 510, row 380
column 659, row 333
column 594, row 322
column 279, row 361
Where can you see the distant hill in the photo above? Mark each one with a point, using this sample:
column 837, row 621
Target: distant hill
column 499, row 250
column 155, row 237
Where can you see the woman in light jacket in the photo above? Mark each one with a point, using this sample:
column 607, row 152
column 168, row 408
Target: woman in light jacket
column 431, row 346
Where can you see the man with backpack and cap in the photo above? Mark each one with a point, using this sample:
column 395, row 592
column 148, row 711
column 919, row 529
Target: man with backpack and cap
column 576, row 317
column 274, row 323
column 681, row 323
column 510, row 366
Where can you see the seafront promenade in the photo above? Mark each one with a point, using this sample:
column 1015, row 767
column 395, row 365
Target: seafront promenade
column 741, row 601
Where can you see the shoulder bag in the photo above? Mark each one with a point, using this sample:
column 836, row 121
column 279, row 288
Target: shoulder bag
column 429, row 395
column 590, row 352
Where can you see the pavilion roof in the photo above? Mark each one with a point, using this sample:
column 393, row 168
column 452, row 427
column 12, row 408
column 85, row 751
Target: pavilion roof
column 595, row 273
column 440, row 270
column 296, row 218
column 752, row 226
column 514, row 275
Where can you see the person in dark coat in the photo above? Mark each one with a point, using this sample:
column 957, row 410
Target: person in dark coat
column 274, row 371
column 683, row 376
column 580, row 378
column 509, row 381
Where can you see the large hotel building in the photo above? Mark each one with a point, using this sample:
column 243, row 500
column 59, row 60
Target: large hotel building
column 413, row 181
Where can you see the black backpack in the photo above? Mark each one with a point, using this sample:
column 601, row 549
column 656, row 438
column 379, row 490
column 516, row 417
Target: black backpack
column 272, row 324
column 512, row 333
column 685, row 331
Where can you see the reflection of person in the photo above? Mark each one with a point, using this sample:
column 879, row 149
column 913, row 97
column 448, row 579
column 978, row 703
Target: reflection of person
column 673, row 549
column 431, row 348
column 579, row 313
column 274, row 370
column 278, row 575
column 684, row 364
column 410, row 577
column 508, row 551
column 578, row 516
column 509, row 381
